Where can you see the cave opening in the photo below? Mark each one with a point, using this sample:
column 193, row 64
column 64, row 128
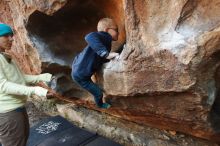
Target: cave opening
column 60, row 37
column 215, row 111
column 216, row 104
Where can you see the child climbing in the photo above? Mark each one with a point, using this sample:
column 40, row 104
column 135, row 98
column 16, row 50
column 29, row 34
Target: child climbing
column 93, row 56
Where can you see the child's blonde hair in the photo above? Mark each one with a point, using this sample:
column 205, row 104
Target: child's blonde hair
column 105, row 23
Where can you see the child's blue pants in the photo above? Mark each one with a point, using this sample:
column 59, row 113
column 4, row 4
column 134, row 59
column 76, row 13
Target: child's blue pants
column 91, row 87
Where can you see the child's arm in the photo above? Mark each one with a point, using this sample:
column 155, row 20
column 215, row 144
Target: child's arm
column 95, row 43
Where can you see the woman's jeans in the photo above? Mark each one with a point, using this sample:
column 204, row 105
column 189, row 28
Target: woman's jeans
column 91, row 87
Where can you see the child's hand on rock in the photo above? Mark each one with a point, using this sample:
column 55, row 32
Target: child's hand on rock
column 112, row 55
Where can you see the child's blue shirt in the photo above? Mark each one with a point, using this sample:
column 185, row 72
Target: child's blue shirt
column 93, row 55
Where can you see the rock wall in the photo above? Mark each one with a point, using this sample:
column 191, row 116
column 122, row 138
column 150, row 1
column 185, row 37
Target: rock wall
column 17, row 14
column 165, row 46
column 169, row 63
column 167, row 75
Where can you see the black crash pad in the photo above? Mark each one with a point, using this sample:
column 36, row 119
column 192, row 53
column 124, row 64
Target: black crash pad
column 57, row 131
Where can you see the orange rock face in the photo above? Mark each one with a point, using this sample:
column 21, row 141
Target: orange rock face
column 167, row 75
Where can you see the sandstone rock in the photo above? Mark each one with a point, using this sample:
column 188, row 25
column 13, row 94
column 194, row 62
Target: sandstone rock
column 167, row 75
